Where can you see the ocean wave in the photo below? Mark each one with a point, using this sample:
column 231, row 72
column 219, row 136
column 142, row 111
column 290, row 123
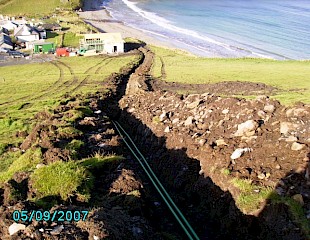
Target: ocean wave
column 164, row 23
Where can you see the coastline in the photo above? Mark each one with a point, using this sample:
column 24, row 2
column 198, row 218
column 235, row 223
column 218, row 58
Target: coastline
column 100, row 18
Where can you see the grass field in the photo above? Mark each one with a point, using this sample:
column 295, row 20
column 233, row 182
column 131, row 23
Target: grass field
column 28, row 89
column 291, row 77
column 34, row 8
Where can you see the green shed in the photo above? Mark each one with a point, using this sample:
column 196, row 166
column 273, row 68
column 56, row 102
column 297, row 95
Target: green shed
column 43, row 47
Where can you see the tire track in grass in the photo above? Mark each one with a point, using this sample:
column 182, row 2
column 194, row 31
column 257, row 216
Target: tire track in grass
column 54, row 88
column 105, row 62
column 26, row 98
column 68, row 83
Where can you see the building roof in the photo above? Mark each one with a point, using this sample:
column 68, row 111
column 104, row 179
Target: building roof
column 106, row 37
column 5, row 39
column 19, row 31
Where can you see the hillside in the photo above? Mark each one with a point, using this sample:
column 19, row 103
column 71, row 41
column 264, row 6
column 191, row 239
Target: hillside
column 228, row 140
column 36, row 8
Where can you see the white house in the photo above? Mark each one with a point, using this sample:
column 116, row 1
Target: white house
column 103, row 42
column 25, row 33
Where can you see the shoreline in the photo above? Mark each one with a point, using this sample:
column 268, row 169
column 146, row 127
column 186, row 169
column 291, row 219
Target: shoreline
column 100, row 18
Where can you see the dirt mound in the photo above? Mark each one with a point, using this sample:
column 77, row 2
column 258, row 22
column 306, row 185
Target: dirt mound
column 257, row 140
column 222, row 88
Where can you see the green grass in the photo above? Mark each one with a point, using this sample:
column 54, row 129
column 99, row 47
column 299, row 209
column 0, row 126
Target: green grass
column 29, row 89
column 34, row 7
column 71, row 40
column 24, row 162
column 291, row 77
column 99, row 161
column 63, row 179
column 250, row 201
column 251, row 196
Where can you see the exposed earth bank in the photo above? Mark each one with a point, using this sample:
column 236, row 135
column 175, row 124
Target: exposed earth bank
column 200, row 145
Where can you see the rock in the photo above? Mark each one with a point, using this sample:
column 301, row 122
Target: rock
column 261, row 97
column 246, row 129
column 239, row 152
column 261, row 114
column 57, row 230
column 278, row 166
column 296, row 112
column 189, row 121
column 167, row 129
column 202, row 126
column 297, row 146
column 176, row 120
column 286, row 127
column 261, row 176
column 225, row 111
column 194, row 104
column 15, row 227
column 40, row 165
column 291, row 139
column 202, row 142
column 269, row 108
column 249, row 139
column 298, row 198
column 163, row 116
column 220, row 142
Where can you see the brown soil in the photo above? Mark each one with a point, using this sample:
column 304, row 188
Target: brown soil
column 222, row 88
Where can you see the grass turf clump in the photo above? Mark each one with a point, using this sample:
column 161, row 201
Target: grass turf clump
column 74, row 146
column 26, row 162
column 99, row 161
column 64, row 179
column 251, row 196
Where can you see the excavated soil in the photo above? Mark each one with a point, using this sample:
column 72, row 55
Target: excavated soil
column 190, row 141
column 222, row 88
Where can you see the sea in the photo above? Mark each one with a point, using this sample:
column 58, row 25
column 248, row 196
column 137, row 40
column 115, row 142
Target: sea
column 277, row 29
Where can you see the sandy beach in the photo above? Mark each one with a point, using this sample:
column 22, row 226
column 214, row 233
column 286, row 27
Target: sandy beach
column 100, row 18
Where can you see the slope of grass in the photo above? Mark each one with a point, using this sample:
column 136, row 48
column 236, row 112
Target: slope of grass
column 291, row 77
column 28, row 89
column 35, row 8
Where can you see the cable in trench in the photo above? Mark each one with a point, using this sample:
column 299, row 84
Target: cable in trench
column 157, row 184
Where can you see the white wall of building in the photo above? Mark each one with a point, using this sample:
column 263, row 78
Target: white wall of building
column 109, row 48
column 28, row 38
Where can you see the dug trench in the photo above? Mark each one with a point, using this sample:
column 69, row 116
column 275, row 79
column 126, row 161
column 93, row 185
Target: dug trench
column 188, row 140
column 192, row 143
